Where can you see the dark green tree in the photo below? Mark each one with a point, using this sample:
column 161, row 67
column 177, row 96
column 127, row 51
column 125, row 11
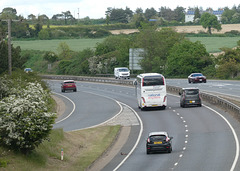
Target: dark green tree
column 187, row 57
column 118, row 16
column 210, row 21
column 149, row 13
column 179, row 14
column 17, row 60
column 227, row 16
column 197, row 14
column 156, row 45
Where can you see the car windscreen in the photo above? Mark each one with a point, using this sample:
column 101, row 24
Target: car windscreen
column 123, row 70
column 197, row 75
column 192, row 92
column 69, row 82
column 158, row 137
column 152, row 81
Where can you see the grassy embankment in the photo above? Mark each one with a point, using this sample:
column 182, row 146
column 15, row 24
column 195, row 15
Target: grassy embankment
column 80, row 149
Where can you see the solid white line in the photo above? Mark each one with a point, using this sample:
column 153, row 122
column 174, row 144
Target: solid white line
column 139, row 136
column 70, row 112
column 235, row 137
column 94, row 126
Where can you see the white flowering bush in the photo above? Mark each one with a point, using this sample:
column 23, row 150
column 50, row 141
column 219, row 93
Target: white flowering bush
column 25, row 120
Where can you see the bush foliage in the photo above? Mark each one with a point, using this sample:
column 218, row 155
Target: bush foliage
column 25, row 117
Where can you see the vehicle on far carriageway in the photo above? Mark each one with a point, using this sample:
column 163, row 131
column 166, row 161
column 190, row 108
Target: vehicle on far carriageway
column 197, row 78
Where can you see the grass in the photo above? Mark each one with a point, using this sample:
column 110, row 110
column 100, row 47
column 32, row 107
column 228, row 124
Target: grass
column 213, row 44
column 81, row 149
column 52, row 45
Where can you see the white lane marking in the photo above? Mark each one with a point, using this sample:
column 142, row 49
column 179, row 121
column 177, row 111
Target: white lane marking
column 139, row 136
column 74, row 106
column 234, row 134
column 94, row 126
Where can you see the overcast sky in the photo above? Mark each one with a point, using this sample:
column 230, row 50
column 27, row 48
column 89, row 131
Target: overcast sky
column 96, row 8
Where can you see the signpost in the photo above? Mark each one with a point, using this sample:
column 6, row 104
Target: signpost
column 135, row 56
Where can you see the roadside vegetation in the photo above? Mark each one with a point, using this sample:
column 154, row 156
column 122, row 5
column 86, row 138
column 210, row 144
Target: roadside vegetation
column 83, row 47
column 27, row 140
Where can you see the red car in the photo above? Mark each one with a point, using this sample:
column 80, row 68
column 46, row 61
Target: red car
column 197, row 78
column 68, row 85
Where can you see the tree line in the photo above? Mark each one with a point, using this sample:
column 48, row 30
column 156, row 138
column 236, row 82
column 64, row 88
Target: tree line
column 167, row 52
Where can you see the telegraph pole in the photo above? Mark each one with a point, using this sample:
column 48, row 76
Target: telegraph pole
column 9, row 21
column 9, row 48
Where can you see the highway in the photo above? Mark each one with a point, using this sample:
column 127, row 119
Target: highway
column 205, row 138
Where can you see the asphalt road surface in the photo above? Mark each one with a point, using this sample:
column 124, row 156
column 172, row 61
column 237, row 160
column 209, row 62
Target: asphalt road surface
column 204, row 138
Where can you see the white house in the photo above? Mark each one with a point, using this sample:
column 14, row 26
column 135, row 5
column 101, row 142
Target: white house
column 189, row 16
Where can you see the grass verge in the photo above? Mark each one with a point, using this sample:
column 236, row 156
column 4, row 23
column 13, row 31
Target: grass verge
column 80, row 148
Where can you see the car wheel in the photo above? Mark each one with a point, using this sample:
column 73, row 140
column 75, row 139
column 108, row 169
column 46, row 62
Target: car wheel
column 189, row 81
column 63, row 90
column 148, row 151
column 170, row 150
column 200, row 105
column 75, row 90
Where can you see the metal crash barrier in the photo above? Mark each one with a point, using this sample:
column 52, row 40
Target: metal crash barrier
column 231, row 108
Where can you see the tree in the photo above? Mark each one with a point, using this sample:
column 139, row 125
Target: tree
column 149, row 13
column 50, row 57
column 229, row 63
column 179, row 14
column 210, row 21
column 156, row 45
column 187, row 57
column 118, row 15
column 67, row 16
column 64, row 51
column 8, row 13
column 17, row 60
column 227, row 16
column 197, row 14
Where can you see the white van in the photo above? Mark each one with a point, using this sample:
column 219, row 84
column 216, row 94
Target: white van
column 151, row 90
column 121, row 72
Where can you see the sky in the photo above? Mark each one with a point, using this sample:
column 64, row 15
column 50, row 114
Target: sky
column 95, row 9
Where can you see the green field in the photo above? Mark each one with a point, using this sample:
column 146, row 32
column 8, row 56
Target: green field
column 212, row 44
column 52, row 45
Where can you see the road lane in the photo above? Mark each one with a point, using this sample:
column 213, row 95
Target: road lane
column 202, row 140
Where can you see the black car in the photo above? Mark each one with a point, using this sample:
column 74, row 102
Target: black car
column 158, row 142
column 197, row 78
column 190, row 97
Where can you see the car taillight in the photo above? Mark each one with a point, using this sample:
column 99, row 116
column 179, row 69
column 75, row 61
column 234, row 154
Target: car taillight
column 143, row 100
column 165, row 97
column 148, row 140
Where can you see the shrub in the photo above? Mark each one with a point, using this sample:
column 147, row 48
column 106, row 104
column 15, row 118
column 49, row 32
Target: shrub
column 25, row 120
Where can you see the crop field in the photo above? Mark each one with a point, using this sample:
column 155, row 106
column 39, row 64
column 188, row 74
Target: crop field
column 52, row 45
column 213, row 44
